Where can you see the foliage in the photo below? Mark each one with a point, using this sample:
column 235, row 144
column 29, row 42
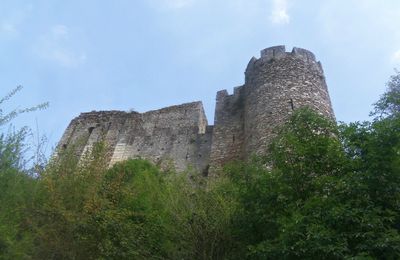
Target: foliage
column 7, row 117
column 201, row 215
column 322, row 199
column 307, row 147
column 322, row 192
column 331, row 192
column 389, row 103
column 131, row 211
column 16, row 186
column 15, row 195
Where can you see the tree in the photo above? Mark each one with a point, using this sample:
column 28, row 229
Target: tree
column 389, row 103
column 16, row 186
column 330, row 193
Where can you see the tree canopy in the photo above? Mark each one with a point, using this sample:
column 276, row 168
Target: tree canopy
column 323, row 191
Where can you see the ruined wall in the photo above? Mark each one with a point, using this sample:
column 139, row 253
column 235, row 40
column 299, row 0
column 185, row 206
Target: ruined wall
column 169, row 136
column 92, row 127
column 245, row 122
column 176, row 136
column 228, row 135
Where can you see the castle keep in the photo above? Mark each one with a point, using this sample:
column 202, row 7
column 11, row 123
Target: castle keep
column 245, row 122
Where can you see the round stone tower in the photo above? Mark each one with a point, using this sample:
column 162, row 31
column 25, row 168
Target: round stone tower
column 275, row 85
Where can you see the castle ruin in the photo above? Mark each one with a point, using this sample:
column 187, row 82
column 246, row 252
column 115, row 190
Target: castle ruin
column 245, row 122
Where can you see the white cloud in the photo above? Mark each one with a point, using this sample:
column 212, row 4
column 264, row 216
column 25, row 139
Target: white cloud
column 11, row 23
column 65, row 58
column 7, row 27
column 60, row 47
column 279, row 14
column 177, row 4
column 396, row 56
column 60, row 31
column 171, row 4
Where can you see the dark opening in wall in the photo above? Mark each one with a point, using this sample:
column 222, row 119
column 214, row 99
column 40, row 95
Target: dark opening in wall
column 233, row 138
column 90, row 130
column 291, row 104
column 205, row 171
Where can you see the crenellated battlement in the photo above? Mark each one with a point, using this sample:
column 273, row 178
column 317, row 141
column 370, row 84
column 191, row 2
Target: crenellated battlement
column 278, row 52
column 303, row 54
column 224, row 94
column 274, row 52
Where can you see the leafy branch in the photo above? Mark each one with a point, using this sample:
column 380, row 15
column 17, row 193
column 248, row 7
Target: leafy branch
column 7, row 117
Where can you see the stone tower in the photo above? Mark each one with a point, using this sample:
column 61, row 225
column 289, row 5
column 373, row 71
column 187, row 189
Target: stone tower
column 275, row 85
column 245, row 122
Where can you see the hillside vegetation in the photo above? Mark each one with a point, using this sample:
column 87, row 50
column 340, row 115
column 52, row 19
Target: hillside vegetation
column 325, row 191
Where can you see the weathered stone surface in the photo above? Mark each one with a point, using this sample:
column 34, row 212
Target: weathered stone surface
column 277, row 84
column 245, row 122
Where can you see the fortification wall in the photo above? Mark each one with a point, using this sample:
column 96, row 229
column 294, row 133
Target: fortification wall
column 245, row 122
column 92, row 127
column 228, row 135
column 275, row 85
column 169, row 137
column 175, row 137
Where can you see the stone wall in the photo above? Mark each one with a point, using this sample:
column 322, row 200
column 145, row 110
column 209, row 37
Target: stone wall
column 175, row 136
column 245, row 122
column 169, row 137
column 89, row 128
column 228, row 135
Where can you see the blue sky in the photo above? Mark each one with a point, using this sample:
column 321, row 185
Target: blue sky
column 84, row 55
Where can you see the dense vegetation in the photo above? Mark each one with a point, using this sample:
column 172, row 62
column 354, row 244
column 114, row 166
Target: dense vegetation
column 325, row 191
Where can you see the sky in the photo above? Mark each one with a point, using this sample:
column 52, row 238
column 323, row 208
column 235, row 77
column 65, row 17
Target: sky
column 84, row 55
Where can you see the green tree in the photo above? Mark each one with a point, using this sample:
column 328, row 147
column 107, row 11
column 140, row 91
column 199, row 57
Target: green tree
column 306, row 159
column 329, row 193
column 201, row 217
column 389, row 103
column 16, row 186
